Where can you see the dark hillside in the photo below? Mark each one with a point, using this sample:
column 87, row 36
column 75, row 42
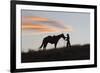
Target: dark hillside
column 76, row 52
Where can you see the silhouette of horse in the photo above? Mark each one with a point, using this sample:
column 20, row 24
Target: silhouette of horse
column 51, row 39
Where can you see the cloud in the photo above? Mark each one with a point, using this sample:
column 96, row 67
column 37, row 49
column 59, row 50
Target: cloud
column 33, row 18
column 43, row 24
column 37, row 27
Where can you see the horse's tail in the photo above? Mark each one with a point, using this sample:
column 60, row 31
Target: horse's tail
column 41, row 46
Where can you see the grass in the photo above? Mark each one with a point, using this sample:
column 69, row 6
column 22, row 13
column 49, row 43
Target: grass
column 76, row 52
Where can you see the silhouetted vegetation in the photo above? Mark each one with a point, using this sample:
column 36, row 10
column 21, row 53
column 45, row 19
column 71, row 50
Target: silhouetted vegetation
column 76, row 52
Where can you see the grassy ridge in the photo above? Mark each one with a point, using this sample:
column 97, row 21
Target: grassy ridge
column 77, row 52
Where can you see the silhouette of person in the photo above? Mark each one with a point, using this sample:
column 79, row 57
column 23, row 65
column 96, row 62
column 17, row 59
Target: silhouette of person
column 68, row 41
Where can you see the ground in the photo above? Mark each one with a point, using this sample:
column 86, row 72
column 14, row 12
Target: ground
column 76, row 52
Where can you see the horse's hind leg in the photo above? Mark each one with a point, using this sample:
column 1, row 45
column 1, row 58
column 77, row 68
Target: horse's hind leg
column 41, row 45
column 44, row 46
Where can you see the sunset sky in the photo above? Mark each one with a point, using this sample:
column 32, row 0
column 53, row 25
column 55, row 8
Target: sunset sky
column 38, row 24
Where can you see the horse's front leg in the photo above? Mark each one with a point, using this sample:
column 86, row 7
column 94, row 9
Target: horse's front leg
column 55, row 45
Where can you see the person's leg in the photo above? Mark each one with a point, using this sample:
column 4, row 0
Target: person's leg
column 67, row 44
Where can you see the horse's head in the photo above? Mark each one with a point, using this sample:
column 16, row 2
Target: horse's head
column 62, row 36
